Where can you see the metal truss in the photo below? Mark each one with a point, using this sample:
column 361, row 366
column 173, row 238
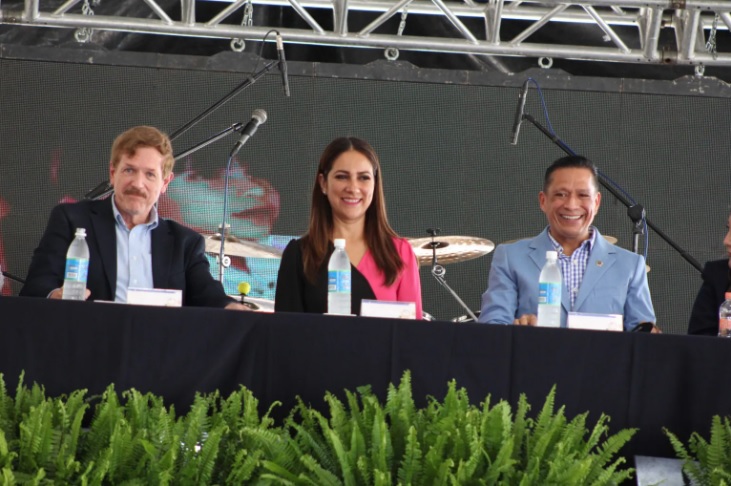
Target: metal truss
column 673, row 32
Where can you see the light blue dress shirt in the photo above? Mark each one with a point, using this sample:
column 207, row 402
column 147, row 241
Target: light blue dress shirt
column 134, row 254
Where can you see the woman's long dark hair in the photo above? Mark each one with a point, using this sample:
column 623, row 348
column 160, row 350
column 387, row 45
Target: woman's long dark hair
column 378, row 233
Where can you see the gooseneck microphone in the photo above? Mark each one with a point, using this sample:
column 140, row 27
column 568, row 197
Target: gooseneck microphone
column 519, row 112
column 244, row 288
column 282, row 64
column 258, row 117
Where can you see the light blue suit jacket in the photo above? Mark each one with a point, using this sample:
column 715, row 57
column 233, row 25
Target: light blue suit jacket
column 615, row 282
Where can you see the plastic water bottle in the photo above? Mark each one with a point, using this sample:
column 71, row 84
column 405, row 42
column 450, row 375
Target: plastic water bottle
column 724, row 317
column 77, row 267
column 338, row 280
column 549, row 292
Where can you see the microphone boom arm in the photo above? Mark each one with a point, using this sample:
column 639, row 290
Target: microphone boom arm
column 12, row 277
column 245, row 84
column 615, row 193
column 233, row 128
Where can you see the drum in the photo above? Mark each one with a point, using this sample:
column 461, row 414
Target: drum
column 466, row 318
column 255, row 303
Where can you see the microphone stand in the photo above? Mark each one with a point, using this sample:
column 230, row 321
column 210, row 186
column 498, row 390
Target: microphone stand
column 610, row 188
column 224, row 261
column 438, row 273
column 237, row 126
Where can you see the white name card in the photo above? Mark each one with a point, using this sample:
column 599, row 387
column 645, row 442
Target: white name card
column 159, row 297
column 597, row 322
column 387, row 308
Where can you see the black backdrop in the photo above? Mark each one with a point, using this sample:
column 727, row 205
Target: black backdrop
column 443, row 138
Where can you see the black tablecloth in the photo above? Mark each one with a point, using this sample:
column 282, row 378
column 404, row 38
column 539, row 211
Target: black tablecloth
column 639, row 380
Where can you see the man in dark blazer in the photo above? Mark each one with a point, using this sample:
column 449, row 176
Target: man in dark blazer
column 125, row 228
column 716, row 282
column 716, row 279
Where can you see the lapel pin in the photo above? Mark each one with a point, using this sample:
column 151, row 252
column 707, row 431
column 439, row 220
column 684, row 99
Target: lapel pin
column 599, row 263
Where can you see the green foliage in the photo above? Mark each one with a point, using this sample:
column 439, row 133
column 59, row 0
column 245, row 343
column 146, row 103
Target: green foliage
column 133, row 438
column 7, row 408
column 452, row 442
column 707, row 462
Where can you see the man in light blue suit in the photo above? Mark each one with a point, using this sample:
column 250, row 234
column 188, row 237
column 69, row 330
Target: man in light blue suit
column 598, row 277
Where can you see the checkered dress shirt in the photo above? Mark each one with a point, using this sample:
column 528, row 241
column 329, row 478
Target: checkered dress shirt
column 574, row 266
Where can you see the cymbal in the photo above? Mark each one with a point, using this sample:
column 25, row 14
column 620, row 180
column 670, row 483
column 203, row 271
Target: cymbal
column 450, row 249
column 241, row 248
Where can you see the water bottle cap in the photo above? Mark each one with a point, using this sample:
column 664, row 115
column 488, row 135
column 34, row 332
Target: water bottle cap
column 339, row 242
column 551, row 255
column 81, row 232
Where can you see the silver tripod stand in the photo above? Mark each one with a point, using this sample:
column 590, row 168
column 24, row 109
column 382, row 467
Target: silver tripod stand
column 438, row 272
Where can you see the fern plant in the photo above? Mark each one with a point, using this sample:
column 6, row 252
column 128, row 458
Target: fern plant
column 557, row 452
column 706, row 462
column 360, row 442
column 239, row 456
column 133, row 438
column 142, row 441
column 39, row 436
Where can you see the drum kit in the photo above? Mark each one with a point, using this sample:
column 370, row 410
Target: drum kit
column 436, row 249
column 455, row 249
column 449, row 249
column 432, row 250
column 446, row 249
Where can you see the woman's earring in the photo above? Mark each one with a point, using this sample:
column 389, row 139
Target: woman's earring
column 324, row 192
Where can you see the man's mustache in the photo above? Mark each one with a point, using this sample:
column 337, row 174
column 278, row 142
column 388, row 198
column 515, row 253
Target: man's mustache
column 134, row 192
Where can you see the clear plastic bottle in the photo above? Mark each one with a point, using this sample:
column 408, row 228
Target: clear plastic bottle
column 724, row 317
column 338, row 281
column 549, row 292
column 77, row 267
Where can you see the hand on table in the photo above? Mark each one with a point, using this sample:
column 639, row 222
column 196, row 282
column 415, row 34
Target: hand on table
column 526, row 320
column 58, row 293
column 237, row 306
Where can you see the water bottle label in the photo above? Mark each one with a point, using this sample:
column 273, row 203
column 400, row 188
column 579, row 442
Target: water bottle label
column 77, row 269
column 338, row 281
column 549, row 293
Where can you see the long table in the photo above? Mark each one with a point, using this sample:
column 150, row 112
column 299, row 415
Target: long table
column 646, row 381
